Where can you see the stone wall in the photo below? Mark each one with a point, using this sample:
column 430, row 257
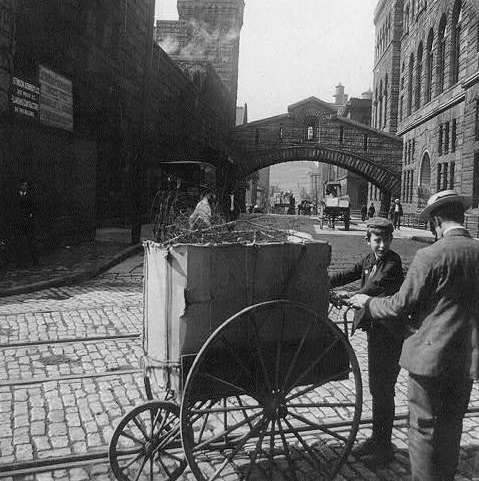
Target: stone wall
column 130, row 115
column 436, row 106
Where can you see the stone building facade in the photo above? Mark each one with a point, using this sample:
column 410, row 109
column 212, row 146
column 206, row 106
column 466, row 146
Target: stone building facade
column 206, row 30
column 131, row 118
column 310, row 125
column 436, row 110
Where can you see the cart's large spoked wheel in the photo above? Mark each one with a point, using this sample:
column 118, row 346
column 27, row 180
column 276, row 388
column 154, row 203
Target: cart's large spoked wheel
column 274, row 393
column 146, row 445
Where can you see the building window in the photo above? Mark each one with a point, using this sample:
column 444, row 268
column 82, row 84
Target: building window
column 380, row 119
column 441, row 55
column 365, row 142
column 439, row 147
column 446, row 138
column 439, row 177
column 410, row 84
column 411, row 186
column 475, row 181
column 429, row 66
column 413, row 149
column 256, row 138
column 417, row 102
column 280, row 134
column 385, row 100
column 341, row 134
column 401, row 102
column 406, row 20
column 311, row 128
column 444, row 176
column 456, row 41
column 476, row 123
column 451, row 175
column 453, row 135
column 310, row 132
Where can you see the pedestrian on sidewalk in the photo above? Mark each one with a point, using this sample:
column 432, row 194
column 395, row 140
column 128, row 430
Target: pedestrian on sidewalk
column 24, row 225
column 364, row 211
column 381, row 275
column 371, row 211
column 397, row 214
column 438, row 309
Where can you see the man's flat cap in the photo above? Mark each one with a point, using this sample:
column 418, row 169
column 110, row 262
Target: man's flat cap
column 381, row 223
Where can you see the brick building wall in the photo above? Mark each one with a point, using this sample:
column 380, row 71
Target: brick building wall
column 87, row 174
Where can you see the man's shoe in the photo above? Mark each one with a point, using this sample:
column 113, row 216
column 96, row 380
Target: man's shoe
column 365, row 448
column 378, row 460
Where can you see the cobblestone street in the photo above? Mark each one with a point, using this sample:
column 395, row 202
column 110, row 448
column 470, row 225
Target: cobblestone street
column 69, row 371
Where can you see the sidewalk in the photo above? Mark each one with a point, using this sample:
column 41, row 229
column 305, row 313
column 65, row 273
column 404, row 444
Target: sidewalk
column 68, row 265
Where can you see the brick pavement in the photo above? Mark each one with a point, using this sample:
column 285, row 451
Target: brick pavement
column 59, row 418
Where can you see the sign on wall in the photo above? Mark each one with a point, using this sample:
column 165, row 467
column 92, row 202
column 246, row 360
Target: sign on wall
column 24, row 98
column 56, row 99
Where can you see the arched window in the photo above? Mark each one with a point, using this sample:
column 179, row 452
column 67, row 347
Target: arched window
column 410, row 84
column 418, row 99
column 456, row 41
column 429, row 66
column 311, row 128
column 441, row 55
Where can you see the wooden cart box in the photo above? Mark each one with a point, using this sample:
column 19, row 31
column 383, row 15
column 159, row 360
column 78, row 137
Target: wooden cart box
column 190, row 290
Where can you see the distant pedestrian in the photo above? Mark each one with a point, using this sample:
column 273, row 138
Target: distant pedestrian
column 397, row 214
column 371, row 211
column 24, row 225
column 364, row 212
column 201, row 217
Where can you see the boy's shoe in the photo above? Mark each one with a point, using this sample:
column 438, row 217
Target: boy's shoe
column 365, row 448
column 379, row 459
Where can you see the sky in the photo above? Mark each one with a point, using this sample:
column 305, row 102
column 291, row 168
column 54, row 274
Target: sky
column 294, row 49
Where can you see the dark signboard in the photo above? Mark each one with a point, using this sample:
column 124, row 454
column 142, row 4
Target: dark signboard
column 25, row 98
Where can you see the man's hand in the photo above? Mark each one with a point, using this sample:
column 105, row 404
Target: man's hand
column 338, row 298
column 359, row 301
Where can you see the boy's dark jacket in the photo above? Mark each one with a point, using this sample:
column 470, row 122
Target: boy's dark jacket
column 386, row 281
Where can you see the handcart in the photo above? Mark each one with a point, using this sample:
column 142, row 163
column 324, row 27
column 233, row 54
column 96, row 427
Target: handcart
column 246, row 375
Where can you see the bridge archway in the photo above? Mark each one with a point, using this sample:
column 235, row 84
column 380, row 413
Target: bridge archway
column 378, row 174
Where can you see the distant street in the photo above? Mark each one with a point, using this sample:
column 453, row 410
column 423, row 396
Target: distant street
column 71, row 358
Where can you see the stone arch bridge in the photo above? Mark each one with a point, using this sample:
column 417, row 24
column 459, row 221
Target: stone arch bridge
column 313, row 130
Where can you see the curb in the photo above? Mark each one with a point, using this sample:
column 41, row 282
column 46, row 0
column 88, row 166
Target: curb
column 425, row 240
column 73, row 278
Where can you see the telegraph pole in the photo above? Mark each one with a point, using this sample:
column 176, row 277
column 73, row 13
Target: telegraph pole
column 140, row 161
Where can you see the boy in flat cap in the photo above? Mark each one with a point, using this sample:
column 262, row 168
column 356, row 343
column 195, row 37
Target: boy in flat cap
column 381, row 274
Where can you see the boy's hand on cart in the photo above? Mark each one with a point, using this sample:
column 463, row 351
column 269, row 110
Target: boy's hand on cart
column 359, row 301
column 339, row 298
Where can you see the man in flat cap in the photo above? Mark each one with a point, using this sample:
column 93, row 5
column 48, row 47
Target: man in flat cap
column 438, row 305
column 381, row 274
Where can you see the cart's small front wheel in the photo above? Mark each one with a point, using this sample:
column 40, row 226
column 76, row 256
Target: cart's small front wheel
column 146, row 444
column 274, row 393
